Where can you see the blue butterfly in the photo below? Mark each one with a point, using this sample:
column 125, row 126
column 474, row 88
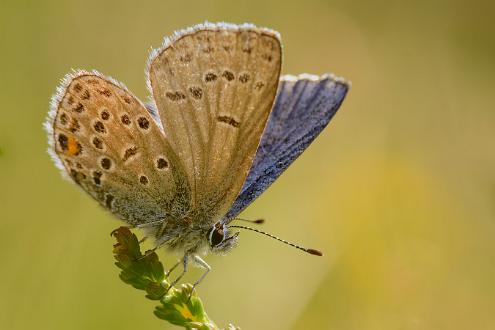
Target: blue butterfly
column 221, row 126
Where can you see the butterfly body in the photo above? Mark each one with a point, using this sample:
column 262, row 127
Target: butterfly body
column 187, row 234
column 221, row 126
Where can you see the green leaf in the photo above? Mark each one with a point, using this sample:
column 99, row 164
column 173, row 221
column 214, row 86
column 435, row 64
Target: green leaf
column 145, row 272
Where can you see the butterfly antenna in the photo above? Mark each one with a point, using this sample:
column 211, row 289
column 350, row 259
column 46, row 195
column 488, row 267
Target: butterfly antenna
column 257, row 221
column 310, row 251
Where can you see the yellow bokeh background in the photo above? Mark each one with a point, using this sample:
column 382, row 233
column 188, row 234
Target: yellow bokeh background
column 398, row 191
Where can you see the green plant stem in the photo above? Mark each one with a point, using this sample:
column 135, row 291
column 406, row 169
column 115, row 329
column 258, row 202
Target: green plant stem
column 179, row 306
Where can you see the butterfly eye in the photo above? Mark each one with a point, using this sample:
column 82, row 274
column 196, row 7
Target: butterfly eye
column 216, row 235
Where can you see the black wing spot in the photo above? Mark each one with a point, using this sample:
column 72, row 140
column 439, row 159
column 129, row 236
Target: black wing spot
column 97, row 177
column 132, row 151
column 143, row 180
column 244, row 78
column 125, row 119
column 161, row 163
column 229, row 120
column 78, row 149
column 92, row 81
column 143, row 123
column 267, row 57
column 228, row 75
column 105, row 115
column 106, row 163
column 127, row 99
column 196, row 92
column 104, row 91
column 259, row 85
column 77, row 176
column 99, row 127
column 175, row 96
column 210, row 76
column 109, row 201
column 85, row 95
column 74, row 125
column 63, row 119
column 186, row 58
column 79, row 108
column 63, row 141
column 77, row 87
column 98, row 143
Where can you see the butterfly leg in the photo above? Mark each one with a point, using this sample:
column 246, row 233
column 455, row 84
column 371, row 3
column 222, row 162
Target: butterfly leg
column 184, row 270
column 173, row 267
column 201, row 263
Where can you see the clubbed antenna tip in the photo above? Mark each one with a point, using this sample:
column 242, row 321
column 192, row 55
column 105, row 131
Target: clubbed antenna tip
column 314, row 252
column 257, row 221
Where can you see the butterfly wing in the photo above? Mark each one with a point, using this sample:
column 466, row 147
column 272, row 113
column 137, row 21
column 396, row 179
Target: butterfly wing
column 104, row 139
column 303, row 108
column 214, row 86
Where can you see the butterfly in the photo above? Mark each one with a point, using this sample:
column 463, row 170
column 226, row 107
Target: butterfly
column 221, row 126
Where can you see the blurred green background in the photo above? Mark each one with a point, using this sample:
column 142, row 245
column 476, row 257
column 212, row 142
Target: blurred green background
column 399, row 190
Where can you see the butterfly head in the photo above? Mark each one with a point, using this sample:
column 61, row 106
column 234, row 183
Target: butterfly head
column 220, row 240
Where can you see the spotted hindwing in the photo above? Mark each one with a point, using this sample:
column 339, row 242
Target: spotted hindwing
column 105, row 140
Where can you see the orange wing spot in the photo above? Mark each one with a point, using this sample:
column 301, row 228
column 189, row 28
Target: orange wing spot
column 73, row 147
